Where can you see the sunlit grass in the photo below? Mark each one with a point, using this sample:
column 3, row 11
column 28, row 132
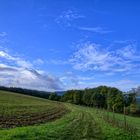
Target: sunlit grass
column 82, row 123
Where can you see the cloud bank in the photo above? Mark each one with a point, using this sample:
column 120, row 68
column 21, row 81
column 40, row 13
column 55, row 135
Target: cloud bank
column 17, row 72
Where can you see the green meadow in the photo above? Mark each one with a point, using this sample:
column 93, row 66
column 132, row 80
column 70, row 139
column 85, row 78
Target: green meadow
column 29, row 118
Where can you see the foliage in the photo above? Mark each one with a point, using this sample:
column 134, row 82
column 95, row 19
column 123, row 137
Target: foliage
column 102, row 97
column 54, row 96
column 133, row 108
column 73, row 96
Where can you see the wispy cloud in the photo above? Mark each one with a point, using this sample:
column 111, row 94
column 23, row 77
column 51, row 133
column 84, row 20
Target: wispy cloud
column 38, row 61
column 116, row 83
column 3, row 34
column 67, row 17
column 3, row 38
column 99, row 30
column 15, row 59
column 94, row 57
column 58, row 62
column 74, row 81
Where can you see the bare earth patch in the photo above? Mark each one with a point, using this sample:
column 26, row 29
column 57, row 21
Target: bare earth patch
column 31, row 119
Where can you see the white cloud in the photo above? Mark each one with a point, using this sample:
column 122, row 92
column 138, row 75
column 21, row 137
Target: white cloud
column 66, row 17
column 23, row 63
column 6, row 55
column 58, row 62
column 124, row 84
column 73, row 81
column 127, row 52
column 17, row 60
column 91, row 56
column 27, row 78
column 39, row 61
column 99, row 30
column 15, row 71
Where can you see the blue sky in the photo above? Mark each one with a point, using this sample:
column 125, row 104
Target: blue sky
column 73, row 44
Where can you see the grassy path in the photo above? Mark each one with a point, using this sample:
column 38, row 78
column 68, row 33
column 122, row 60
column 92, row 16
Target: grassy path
column 82, row 127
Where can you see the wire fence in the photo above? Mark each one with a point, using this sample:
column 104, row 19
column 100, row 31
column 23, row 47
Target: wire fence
column 124, row 124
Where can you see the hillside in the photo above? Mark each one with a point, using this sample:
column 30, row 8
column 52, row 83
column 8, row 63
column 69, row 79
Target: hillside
column 79, row 123
column 21, row 110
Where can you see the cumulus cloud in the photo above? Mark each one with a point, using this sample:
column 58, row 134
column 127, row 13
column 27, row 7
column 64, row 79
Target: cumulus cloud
column 91, row 56
column 17, row 72
column 27, row 78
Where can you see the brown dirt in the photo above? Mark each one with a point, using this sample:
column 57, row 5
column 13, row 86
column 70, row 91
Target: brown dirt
column 31, row 119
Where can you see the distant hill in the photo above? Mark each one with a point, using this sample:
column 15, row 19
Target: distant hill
column 42, row 94
column 60, row 93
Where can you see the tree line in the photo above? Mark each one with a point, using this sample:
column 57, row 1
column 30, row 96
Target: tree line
column 36, row 93
column 104, row 97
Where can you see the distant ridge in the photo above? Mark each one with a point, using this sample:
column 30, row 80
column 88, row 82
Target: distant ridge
column 60, row 93
column 36, row 93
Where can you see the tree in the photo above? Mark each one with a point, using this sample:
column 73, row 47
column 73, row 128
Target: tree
column 119, row 103
column 115, row 99
column 87, row 97
column 54, row 96
column 68, row 96
column 133, row 108
column 77, row 97
column 101, row 96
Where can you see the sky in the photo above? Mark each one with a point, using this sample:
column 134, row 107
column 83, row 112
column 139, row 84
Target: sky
column 69, row 44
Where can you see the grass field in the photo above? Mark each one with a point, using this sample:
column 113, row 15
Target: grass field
column 73, row 123
column 20, row 110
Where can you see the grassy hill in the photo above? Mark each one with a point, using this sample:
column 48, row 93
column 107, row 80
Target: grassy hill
column 70, row 122
column 21, row 110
